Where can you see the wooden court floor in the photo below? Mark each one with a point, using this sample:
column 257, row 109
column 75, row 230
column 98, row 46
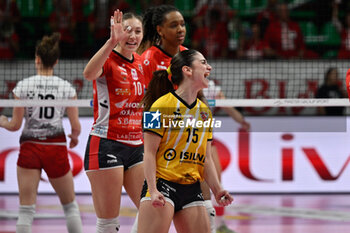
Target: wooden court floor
column 301, row 213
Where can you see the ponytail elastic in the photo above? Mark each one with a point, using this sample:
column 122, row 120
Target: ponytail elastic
column 168, row 70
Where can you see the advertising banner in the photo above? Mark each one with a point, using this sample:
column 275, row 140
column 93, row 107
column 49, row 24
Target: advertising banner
column 278, row 155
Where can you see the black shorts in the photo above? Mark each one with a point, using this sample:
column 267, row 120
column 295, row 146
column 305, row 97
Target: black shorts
column 103, row 153
column 181, row 196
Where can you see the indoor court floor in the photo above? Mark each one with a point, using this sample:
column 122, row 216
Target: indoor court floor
column 301, row 213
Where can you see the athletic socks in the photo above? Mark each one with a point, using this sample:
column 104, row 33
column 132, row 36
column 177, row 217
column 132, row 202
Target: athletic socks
column 25, row 218
column 220, row 212
column 134, row 227
column 73, row 220
column 107, row 225
column 211, row 212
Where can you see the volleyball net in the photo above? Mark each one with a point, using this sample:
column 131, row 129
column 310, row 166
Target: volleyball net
column 251, row 85
column 11, row 72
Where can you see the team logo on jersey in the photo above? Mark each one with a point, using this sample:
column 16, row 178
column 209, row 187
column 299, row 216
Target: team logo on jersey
column 151, row 120
column 134, row 74
column 169, row 154
column 146, row 62
column 204, row 116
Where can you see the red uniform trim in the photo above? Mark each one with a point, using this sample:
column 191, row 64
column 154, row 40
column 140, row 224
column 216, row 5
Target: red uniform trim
column 93, row 153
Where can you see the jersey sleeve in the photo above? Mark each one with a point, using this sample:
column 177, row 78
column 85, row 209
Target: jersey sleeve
column 147, row 66
column 18, row 90
column 71, row 92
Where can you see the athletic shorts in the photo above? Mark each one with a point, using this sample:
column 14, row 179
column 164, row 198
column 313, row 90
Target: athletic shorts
column 103, row 153
column 52, row 158
column 181, row 196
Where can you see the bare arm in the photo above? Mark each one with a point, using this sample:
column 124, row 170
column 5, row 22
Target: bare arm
column 16, row 120
column 73, row 116
column 238, row 117
column 93, row 69
column 151, row 144
column 222, row 197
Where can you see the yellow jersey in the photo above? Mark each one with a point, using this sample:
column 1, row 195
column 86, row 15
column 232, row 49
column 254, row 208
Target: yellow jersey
column 185, row 130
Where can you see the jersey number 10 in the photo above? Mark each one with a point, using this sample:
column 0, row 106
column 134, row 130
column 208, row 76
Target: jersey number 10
column 46, row 112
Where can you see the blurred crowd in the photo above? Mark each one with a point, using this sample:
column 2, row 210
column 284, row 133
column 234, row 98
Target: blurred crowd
column 217, row 28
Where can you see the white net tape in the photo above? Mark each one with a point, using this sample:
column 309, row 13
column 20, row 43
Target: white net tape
column 215, row 103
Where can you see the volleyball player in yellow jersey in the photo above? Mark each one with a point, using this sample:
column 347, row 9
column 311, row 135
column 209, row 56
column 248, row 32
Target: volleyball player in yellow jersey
column 178, row 155
column 164, row 34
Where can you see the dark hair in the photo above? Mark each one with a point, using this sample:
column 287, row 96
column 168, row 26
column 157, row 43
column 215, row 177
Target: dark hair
column 157, row 87
column 131, row 15
column 184, row 58
column 48, row 50
column 328, row 72
column 160, row 83
column 153, row 17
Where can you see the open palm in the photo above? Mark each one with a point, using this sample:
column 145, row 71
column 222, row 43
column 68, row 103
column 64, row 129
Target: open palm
column 117, row 31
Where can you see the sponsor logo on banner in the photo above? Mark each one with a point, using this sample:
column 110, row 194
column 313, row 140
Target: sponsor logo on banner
column 312, row 155
column 251, row 161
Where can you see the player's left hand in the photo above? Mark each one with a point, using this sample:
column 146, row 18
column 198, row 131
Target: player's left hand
column 73, row 141
column 223, row 198
column 245, row 125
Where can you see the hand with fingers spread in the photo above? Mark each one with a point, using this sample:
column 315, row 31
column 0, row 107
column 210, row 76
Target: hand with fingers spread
column 118, row 33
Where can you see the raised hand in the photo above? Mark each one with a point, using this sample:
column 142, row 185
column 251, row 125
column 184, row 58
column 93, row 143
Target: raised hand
column 118, row 32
